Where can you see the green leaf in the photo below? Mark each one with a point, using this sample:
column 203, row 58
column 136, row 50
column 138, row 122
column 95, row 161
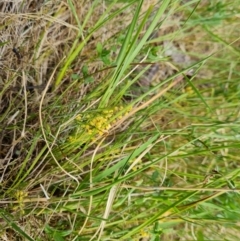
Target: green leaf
column 75, row 76
column 99, row 48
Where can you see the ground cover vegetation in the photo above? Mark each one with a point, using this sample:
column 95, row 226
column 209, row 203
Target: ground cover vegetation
column 119, row 120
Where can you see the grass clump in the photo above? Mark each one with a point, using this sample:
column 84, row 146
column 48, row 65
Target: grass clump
column 119, row 120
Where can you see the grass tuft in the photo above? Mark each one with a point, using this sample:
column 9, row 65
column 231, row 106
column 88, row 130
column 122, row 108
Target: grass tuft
column 119, row 120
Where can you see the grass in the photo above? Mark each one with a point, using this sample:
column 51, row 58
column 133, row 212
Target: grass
column 119, row 120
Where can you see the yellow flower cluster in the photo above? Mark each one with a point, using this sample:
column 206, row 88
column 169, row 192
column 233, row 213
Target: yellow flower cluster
column 189, row 90
column 95, row 124
column 20, row 196
column 144, row 234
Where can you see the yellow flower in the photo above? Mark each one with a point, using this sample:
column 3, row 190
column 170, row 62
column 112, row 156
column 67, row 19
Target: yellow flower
column 144, row 234
column 79, row 117
column 20, row 195
column 96, row 123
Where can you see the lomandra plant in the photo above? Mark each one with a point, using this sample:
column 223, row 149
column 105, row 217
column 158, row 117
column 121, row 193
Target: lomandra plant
column 120, row 121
